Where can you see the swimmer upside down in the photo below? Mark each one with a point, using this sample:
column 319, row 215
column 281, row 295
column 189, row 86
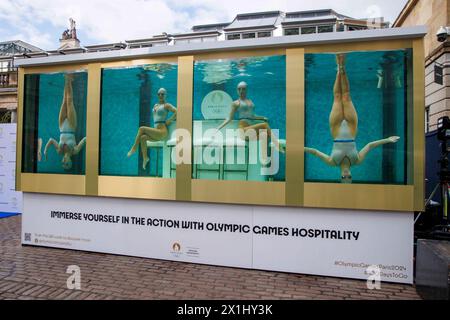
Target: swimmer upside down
column 344, row 128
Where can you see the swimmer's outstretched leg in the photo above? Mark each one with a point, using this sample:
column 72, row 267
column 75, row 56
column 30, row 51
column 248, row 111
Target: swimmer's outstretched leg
column 71, row 113
column 350, row 114
column 322, row 156
column 337, row 111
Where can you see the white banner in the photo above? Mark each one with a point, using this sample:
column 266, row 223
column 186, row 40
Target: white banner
column 10, row 200
column 307, row 241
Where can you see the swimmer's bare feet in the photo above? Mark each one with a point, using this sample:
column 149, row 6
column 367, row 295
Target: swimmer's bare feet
column 340, row 59
column 69, row 77
column 132, row 151
column 144, row 163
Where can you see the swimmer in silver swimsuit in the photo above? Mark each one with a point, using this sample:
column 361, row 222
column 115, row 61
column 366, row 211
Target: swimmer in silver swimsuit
column 67, row 145
column 159, row 132
column 344, row 128
column 248, row 120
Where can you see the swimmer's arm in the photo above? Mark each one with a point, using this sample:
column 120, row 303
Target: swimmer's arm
column 322, row 156
column 375, row 144
column 172, row 109
column 230, row 117
column 80, row 146
column 51, row 142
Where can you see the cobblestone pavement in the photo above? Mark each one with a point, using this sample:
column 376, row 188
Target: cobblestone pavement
column 40, row 273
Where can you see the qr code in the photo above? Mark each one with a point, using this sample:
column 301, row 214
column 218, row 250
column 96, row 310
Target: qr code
column 27, row 236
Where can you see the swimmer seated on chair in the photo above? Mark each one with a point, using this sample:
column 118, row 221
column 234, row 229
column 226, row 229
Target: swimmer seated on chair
column 67, row 145
column 159, row 132
column 244, row 109
column 344, row 128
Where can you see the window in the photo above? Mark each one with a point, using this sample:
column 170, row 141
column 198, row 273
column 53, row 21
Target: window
column 250, row 35
column 309, row 30
column 264, row 34
column 427, row 119
column 291, row 32
column 209, row 39
column 4, row 66
column 324, row 29
column 233, row 36
column 356, row 28
column 195, row 40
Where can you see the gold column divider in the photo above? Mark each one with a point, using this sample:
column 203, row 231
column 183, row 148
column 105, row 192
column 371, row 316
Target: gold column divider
column 184, row 124
column 295, row 124
column 93, row 129
column 419, row 123
column 19, row 137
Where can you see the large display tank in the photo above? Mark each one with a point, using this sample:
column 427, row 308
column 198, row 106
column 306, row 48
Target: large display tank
column 55, row 123
column 378, row 89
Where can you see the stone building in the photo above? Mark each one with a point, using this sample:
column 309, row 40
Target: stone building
column 434, row 14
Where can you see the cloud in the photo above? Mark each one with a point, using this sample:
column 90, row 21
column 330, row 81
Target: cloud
column 41, row 22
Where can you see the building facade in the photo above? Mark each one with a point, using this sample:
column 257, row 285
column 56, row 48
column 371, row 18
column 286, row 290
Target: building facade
column 434, row 14
column 8, row 76
column 243, row 26
column 261, row 25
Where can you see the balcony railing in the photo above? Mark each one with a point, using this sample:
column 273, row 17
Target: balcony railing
column 8, row 79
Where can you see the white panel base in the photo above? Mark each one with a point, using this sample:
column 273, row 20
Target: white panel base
column 367, row 238
column 10, row 199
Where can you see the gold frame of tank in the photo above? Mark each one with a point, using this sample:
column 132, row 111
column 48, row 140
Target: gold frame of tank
column 294, row 192
column 139, row 187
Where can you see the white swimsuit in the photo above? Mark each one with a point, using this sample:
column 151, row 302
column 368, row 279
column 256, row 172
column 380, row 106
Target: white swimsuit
column 246, row 112
column 67, row 135
column 344, row 146
column 160, row 114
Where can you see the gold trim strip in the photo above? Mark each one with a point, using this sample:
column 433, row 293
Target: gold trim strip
column 53, row 183
column 19, row 134
column 419, row 124
column 239, row 192
column 295, row 116
column 137, row 187
column 56, row 68
column 359, row 197
column 379, row 45
column 93, row 128
column 184, row 121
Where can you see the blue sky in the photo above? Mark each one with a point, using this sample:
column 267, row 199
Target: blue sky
column 41, row 22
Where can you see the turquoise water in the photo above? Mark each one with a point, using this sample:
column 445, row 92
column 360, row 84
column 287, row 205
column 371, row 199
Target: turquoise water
column 45, row 95
column 376, row 122
column 128, row 95
column 266, row 80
